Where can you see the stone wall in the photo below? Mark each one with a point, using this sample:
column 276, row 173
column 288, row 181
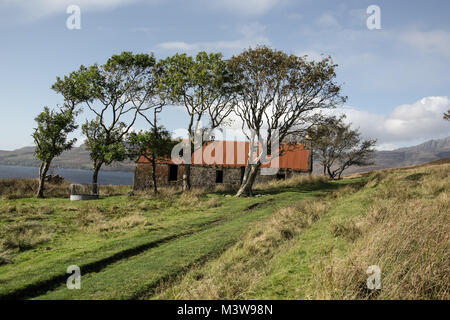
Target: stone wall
column 201, row 176
column 143, row 176
column 205, row 176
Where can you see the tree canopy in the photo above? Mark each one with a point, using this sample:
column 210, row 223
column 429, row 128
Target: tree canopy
column 205, row 87
column 282, row 95
column 51, row 137
column 274, row 94
column 118, row 89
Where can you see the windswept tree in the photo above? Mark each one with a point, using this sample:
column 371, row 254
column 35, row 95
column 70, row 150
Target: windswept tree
column 337, row 147
column 51, row 138
column 115, row 93
column 105, row 146
column 77, row 87
column 280, row 95
column 153, row 145
column 204, row 87
column 156, row 142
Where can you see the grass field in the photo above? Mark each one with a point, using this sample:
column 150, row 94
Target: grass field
column 304, row 238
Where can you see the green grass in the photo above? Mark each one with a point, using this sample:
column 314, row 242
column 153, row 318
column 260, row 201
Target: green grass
column 73, row 246
column 293, row 271
column 303, row 238
column 320, row 248
column 167, row 234
column 137, row 276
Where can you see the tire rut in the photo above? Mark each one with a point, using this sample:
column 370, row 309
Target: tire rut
column 41, row 287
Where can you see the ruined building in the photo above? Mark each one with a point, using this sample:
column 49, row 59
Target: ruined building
column 223, row 162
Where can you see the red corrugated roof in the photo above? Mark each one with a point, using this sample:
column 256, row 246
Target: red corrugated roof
column 235, row 154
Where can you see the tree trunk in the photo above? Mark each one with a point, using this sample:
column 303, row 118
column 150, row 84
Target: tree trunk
column 42, row 173
column 187, row 177
column 331, row 174
column 324, row 170
column 339, row 174
column 155, row 132
column 95, row 178
column 155, row 188
column 246, row 188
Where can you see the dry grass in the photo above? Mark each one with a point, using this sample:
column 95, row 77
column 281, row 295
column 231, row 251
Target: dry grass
column 24, row 236
column 5, row 257
column 405, row 232
column 212, row 203
column 232, row 275
column 191, row 198
column 95, row 219
column 225, row 188
column 349, row 230
column 167, row 194
column 27, row 188
column 113, row 190
column 295, row 181
column 121, row 224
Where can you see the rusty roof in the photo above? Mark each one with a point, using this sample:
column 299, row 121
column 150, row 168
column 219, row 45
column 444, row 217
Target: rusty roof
column 236, row 153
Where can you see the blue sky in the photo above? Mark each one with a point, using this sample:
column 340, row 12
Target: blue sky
column 397, row 78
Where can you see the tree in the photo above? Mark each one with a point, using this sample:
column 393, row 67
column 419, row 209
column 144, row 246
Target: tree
column 447, row 115
column 360, row 155
column 280, row 95
column 204, row 86
column 104, row 145
column 153, row 145
column 51, row 138
column 338, row 147
column 113, row 91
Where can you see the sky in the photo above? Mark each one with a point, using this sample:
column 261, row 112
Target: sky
column 397, row 77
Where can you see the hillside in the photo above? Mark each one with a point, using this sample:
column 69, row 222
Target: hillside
column 76, row 158
column 302, row 238
column 425, row 152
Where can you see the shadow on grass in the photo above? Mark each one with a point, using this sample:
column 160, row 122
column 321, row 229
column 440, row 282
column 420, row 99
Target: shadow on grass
column 41, row 287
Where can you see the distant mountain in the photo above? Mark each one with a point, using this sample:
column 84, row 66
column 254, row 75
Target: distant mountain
column 77, row 158
column 425, row 152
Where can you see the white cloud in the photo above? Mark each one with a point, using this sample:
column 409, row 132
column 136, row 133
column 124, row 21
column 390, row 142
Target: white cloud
column 357, row 17
column 295, row 16
column 36, row 9
column 177, row 45
column 245, row 7
column 435, row 42
column 327, row 20
column 251, row 35
column 421, row 120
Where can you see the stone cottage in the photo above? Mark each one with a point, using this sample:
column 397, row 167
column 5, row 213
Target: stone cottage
column 223, row 163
